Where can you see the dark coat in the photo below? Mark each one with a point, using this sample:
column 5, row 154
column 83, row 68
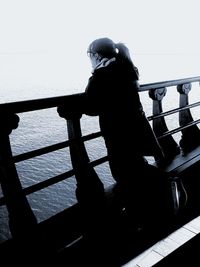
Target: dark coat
column 112, row 93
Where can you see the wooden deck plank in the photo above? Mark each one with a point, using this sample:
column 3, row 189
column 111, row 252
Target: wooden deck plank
column 135, row 261
column 153, row 258
column 166, row 246
column 191, row 229
column 186, row 255
column 195, row 224
column 181, row 236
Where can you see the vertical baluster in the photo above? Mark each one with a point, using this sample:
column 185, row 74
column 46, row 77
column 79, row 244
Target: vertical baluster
column 89, row 186
column 21, row 217
column 90, row 189
column 190, row 136
column 168, row 144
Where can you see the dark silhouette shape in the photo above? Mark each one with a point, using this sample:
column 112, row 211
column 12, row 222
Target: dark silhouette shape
column 112, row 94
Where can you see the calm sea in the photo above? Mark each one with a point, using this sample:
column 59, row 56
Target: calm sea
column 41, row 128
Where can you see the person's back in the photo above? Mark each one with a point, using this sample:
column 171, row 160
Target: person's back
column 113, row 95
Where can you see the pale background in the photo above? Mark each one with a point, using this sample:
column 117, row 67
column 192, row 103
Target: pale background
column 43, row 42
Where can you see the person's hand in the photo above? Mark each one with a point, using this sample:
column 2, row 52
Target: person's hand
column 68, row 115
column 9, row 122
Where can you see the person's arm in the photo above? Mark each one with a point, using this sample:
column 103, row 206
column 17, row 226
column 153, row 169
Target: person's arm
column 74, row 107
column 93, row 102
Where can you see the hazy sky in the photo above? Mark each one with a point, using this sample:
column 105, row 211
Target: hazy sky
column 43, row 42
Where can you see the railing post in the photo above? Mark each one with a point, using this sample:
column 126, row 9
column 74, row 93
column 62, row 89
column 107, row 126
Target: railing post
column 168, row 144
column 21, row 217
column 90, row 189
column 190, row 136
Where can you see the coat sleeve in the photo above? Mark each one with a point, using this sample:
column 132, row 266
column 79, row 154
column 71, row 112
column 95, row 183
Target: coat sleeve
column 94, row 96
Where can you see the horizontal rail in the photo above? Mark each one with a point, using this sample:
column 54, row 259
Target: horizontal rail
column 56, row 179
column 41, row 185
column 178, row 129
column 51, row 102
column 51, row 148
column 157, row 85
column 172, row 111
column 40, row 151
column 37, row 104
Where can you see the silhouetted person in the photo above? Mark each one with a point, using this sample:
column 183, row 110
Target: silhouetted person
column 112, row 94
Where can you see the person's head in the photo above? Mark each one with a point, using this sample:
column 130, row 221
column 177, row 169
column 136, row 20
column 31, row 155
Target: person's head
column 106, row 48
column 99, row 49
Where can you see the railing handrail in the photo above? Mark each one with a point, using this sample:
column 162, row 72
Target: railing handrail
column 51, row 102
column 157, row 85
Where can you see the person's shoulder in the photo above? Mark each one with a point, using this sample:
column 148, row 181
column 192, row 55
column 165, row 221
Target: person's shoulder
column 113, row 67
column 106, row 69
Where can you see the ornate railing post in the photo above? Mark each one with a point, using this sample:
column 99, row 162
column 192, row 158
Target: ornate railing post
column 167, row 143
column 90, row 189
column 21, row 217
column 191, row 135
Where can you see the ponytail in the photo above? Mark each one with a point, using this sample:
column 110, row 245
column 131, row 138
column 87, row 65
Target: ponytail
column 123, row 55
column 123, row 52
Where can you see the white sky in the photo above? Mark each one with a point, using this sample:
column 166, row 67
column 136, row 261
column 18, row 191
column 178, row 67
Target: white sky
column 43, row 43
